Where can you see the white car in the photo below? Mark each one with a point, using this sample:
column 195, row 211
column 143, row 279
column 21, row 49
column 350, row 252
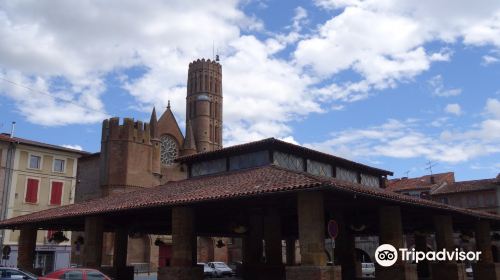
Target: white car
column 221, row 269
column 207, row 270
column 368, row 270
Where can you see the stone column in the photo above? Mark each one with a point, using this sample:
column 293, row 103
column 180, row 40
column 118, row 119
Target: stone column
column 312, row 227
column 183, row 264
column 27, row 247
column 93, row 242
column 391, row 232
column 290, row 251
column 485, row 268
column 421, row 245
column 446, row 270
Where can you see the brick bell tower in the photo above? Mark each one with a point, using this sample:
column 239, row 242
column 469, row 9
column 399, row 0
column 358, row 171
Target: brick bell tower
column 204, row 104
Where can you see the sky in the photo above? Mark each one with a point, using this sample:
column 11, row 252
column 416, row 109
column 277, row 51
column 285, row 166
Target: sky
column 396, row 84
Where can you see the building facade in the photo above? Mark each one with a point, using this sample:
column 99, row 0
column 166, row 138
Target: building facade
column 34, row 177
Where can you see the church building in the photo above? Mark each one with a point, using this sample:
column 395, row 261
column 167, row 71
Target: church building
column 136, row 155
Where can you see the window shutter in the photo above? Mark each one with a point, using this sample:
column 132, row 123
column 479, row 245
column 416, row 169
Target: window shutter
column 56, row 193
column 32, row 191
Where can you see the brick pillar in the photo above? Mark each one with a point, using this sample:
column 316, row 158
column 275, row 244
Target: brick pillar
column 345, row 251
column 444, row 240
column 421, row 245
column 485, row 269
column 312, row 227
column 93, row 242
column 290, row 251
column 273, row 268
column 183, row 264
column 252, row 247
column 27, row 247
column 272, row 237
column 391, row 232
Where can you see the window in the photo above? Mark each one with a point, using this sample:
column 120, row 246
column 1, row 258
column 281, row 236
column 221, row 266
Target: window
column 319, row 168
column 370, row 180
column 289, row 161
column 56, row 190
column 31, row 191
column 248, row 160
column 208, row 167
column 94, row 275
column 347, row 175
column 168, row 149
column 35, row 162
column 59, row 165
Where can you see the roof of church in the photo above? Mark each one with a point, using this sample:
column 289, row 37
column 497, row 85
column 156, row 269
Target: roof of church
column 273, row 143
column 244, row 183
column 6, row 137
column 469, row 186
column 420, row 183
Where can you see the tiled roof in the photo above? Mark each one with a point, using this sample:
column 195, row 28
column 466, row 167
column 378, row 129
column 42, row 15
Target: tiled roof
column 420, row 183
column 229, row 185
column 6, row 137
column 273, row 143
column 468, row 186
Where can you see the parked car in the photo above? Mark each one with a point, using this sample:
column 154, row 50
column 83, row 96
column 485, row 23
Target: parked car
column 207, row 270
column 221, row 269
column 76, row 274
column 15, row 273
column 368, row 269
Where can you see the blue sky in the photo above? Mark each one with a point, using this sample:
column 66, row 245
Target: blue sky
column 391, row 83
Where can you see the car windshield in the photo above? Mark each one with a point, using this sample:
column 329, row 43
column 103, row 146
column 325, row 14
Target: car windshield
column 220, row 265
column 29, row 274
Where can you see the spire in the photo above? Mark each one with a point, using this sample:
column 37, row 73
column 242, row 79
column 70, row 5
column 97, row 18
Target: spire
column 168, row 104
column 189, row 146
column 153, row 124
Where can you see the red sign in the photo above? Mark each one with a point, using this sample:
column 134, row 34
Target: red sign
column 333, row 229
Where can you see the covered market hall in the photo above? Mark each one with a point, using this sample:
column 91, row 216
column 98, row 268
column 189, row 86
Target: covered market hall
column 270, row 193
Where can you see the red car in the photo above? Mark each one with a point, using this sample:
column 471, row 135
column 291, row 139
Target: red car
column 75, row 274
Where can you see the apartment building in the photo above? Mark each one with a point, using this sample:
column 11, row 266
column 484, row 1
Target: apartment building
column 36, row 176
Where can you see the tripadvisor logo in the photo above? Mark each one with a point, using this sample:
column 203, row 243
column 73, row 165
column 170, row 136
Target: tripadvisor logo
column 386, row 255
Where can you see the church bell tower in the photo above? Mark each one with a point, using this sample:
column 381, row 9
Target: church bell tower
column 204, row 104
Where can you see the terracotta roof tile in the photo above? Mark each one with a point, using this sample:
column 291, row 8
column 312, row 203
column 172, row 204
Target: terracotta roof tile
column 420, row 183
column 468, row 186
column 229, row 185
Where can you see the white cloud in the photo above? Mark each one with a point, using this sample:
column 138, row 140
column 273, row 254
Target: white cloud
column 488, row 59
column 453, row 108
column 406, row 139
column 385, row 41
column 438, row 89
column 493, row 107
column 74, row 147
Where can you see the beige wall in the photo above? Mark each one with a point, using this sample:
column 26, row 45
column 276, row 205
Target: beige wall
column 46, row 175
column 3, row 164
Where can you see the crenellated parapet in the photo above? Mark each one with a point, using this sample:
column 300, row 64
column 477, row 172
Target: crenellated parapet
column 129, row 130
